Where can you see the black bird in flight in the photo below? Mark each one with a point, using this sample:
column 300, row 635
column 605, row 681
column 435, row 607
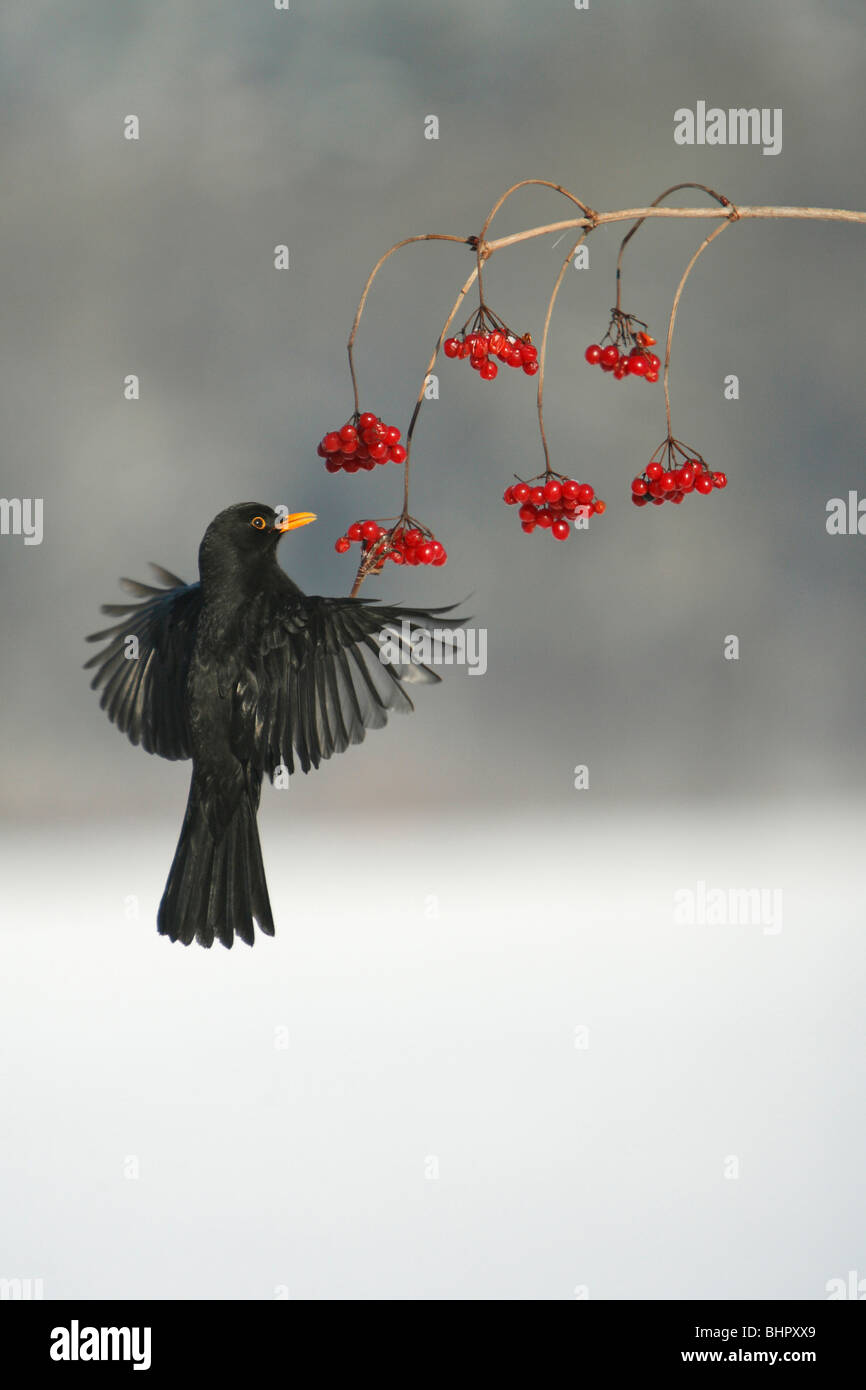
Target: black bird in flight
column 243, row 672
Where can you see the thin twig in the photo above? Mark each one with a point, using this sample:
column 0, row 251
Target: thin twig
column 361, row 576
column 525, row 183
column 543, row 355
column 703, row 246
column 424, row 236
column 629, row 215
column 674, row 188
column 430, row 365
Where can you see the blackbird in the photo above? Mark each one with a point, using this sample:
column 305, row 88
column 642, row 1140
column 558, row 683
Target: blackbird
column 243, row 672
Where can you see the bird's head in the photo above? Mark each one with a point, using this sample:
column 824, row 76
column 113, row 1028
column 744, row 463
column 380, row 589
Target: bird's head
column 246, row 534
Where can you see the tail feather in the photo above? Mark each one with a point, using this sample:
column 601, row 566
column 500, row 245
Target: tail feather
column 216, row 887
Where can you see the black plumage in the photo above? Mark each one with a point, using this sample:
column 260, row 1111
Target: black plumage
column 246, row 674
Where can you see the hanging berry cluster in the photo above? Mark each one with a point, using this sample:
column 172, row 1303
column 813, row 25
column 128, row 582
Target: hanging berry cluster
column 552, row 502
column 362, row 442
column 485, row 339
column 669, row 478
column 407, row 542
column 628, row 352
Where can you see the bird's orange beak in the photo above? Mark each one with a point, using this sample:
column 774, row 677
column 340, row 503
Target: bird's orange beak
column 294, row 520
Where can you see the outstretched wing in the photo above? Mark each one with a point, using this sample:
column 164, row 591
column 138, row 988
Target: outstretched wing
column 143, row 682
column 321, row 681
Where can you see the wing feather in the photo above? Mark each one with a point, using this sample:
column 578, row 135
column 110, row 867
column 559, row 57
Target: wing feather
column 144, row 695
column 323, row 680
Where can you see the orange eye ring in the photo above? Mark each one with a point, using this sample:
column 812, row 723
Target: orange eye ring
column 259, row 523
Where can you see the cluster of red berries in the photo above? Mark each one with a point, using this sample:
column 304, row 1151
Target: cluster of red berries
column 489, row 340
column 628, row 352
column 636, row 362
column 553, row 503
column 666, row 480
column 362, row 442
column 407, row 543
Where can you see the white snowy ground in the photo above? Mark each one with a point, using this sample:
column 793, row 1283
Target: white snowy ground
column 431, row 981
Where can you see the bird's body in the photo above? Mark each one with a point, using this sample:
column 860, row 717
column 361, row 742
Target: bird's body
column 243, row 672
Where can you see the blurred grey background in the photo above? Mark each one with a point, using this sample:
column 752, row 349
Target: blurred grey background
column 155, row 257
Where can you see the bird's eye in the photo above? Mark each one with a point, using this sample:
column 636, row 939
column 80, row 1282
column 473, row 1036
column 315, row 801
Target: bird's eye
column 259, row 523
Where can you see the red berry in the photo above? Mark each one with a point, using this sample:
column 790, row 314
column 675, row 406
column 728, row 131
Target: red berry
column 544, row 519
column 720, row 480
column 368, row 420
column 496, row 342
column 488, row 370
column 392, row 435
column 570, row 488
column 342, row 545
column 413, row 537
column 599, row 507
column 521, row 492
column 668, row 482
column 609, row 356
column 528, row 527
column 451, row 347
column 379, row 451
column 704, row 484
column 637, row 365
column 552, row 490
column 331, row 442
column 653, row 471
column 527, row 512
column 426, row 554
column 442, row 558
column 536, row 496
column 530, row 368
column 528, row 352
column 654, row 362
column 398, row 453
column 686, row 477
column 585, row 494
column 350, row 447
column 593, row 354
column 560, row 530
column 333, row 464
column 508, row 496
column 370, row 530
column 639, row 487
column 348, row 434
column 640, row 501
column 651, row 376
